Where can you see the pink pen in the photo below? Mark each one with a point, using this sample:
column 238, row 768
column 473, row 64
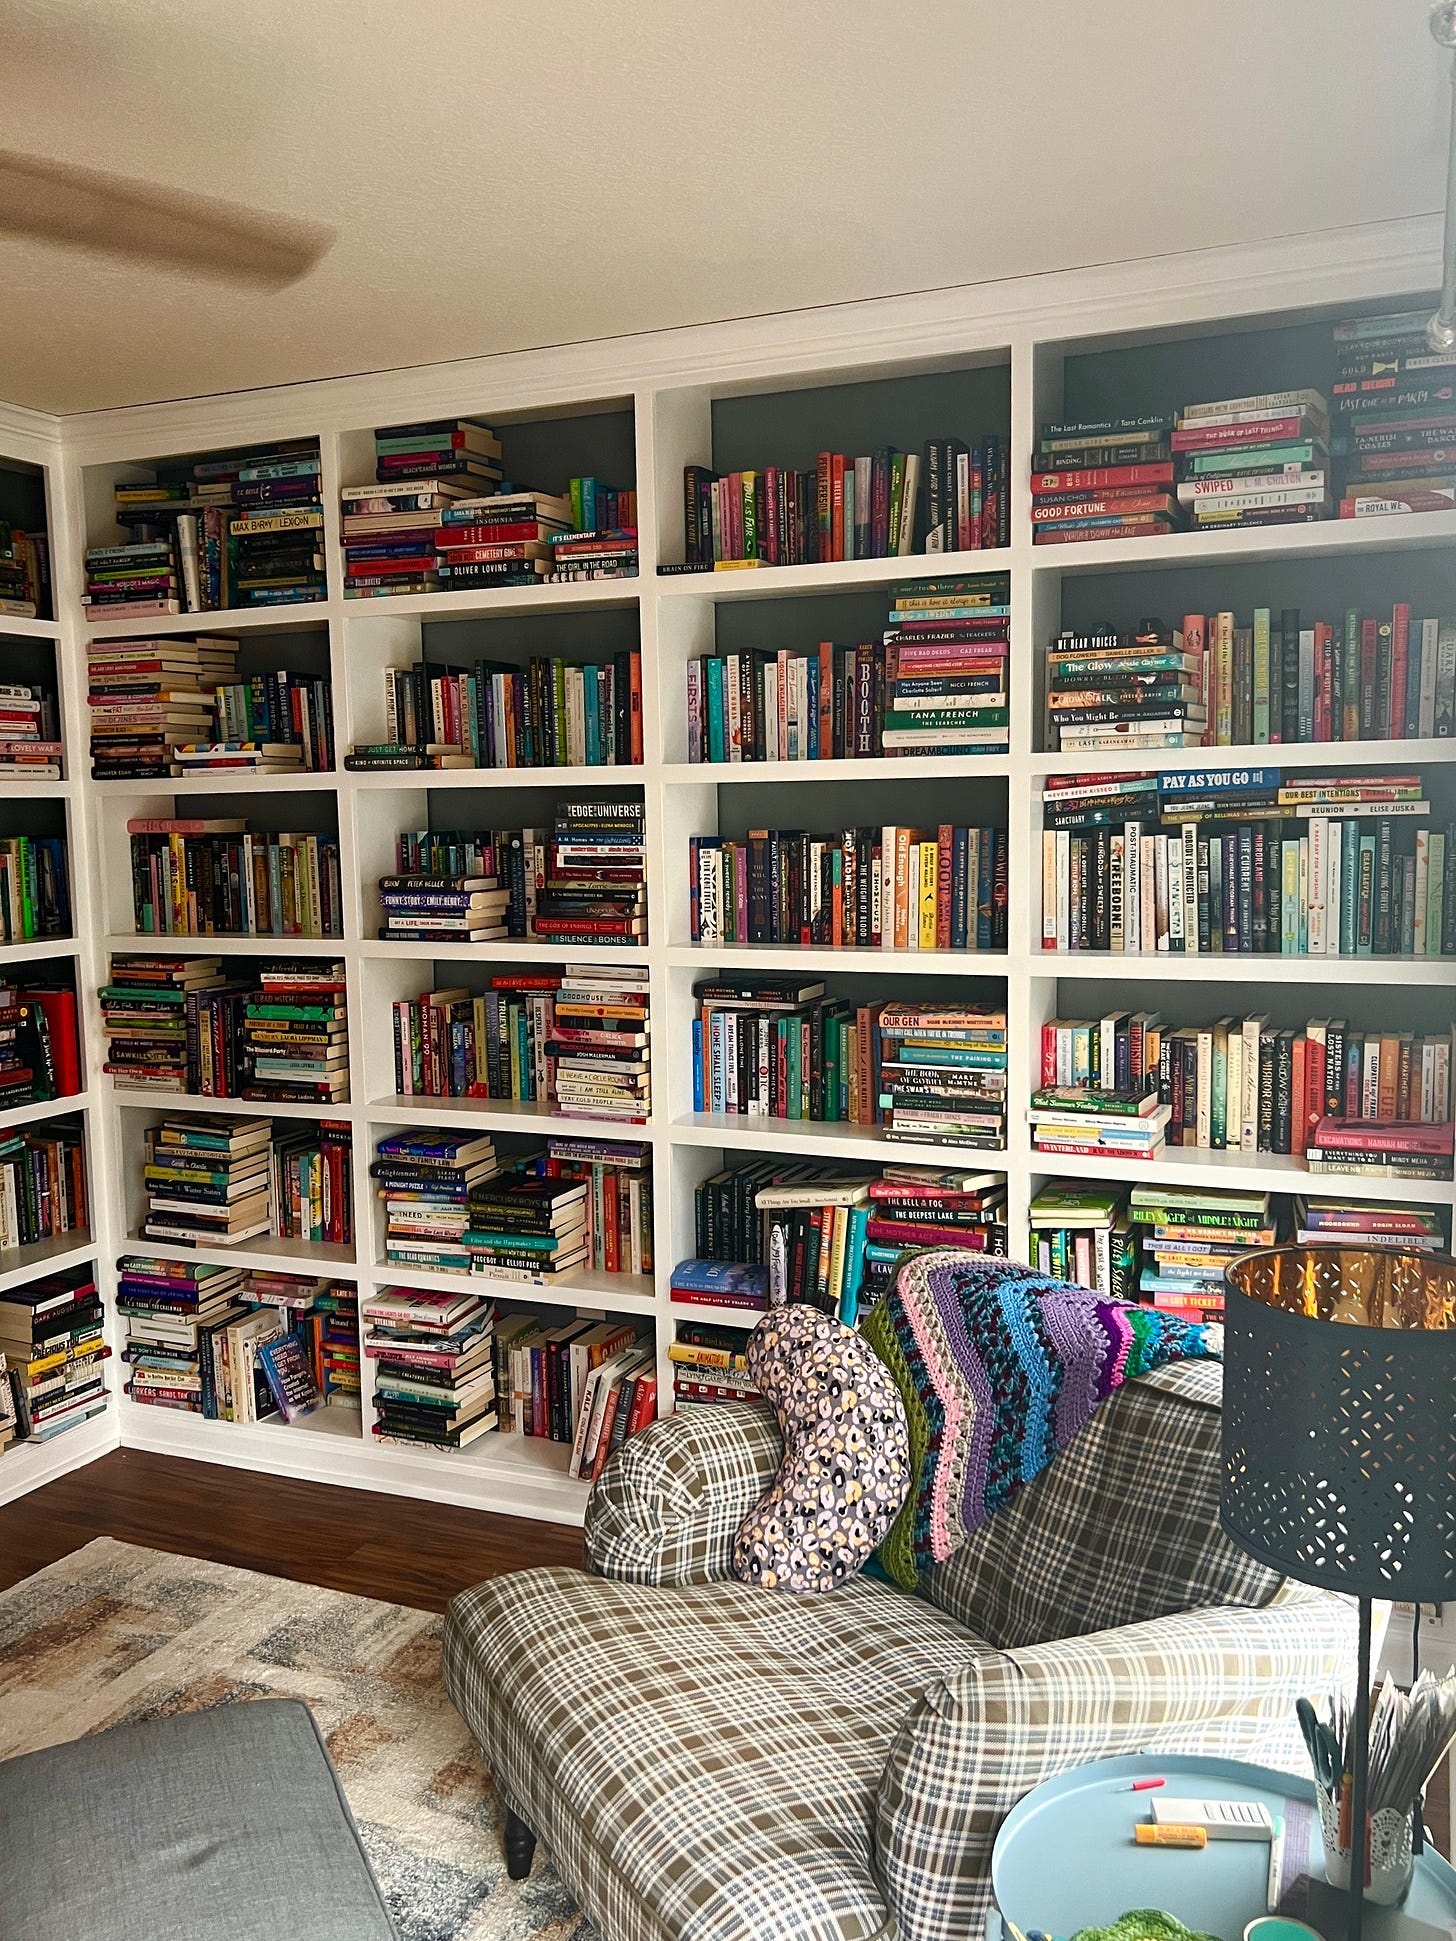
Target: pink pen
column 1145, row 1785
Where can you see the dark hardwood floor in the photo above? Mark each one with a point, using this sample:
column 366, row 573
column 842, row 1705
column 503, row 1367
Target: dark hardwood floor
column 390, row 1547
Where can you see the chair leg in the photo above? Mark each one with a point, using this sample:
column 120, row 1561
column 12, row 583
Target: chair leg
column 520, row 1845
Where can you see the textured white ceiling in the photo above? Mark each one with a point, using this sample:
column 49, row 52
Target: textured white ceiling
column 510, row 173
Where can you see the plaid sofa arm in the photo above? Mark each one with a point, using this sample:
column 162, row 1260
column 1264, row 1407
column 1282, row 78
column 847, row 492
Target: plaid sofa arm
column 666, row 1506
column 1218, row 1681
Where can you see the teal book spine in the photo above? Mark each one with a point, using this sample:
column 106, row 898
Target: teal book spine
column 716, row 748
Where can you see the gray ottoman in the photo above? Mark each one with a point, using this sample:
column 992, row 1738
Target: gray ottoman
column 226, row 1824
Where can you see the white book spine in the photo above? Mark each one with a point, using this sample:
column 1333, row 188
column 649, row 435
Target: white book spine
column 1430, row 654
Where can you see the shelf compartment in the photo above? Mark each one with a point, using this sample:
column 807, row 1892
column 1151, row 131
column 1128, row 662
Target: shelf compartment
column 582, row 1288
column 47, row 1256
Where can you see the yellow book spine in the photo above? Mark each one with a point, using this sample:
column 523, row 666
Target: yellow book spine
column 929, row 882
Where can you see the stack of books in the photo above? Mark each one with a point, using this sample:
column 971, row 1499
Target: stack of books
column 147, row 697
column 42, row 1184
column 850, row 508
column 207, row 1180
column 1081, row 1233
column 275, row 556
column 1396, row 1148
column 1395, row 417
column 446, row 890
column 196, row 875
column 424, row 1180
column 25, row 574
column 594, row 887
column 1190, row 1239
column 174, row 1312
column 552, row 713
column 389, row 532
column 521, row 1227
column 30, row 731
column 599, row 1044
column 886, row 888
column 1242, row 860
column 1108, row 690
column 132, row 580
column 945, row 669
column 171, row 1025
column 336, row 1309
column 1089, row 1121
column 295, row 1033
column 922, row 1206
column 1257, row 461
column 942, row 1073
column 606, row 552
column 618, row 1174
column 274, row 712
column 244, row 757
column 710, row 1364
column 1104, row 478
column 52, row 1339
column 434, row 1367
column 1403, row 1226
column 35, row 888
column 501, row 541
column 313, row 1185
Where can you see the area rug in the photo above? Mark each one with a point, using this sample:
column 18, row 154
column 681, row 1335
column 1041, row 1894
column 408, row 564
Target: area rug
column 115, row 1633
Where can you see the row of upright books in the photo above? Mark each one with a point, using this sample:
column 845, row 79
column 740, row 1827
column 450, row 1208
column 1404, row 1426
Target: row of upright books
column 1213, row 683
column 182, row 1025
column 584, row 881
column 1171, row 1248
column 35, row 888
column 440, row 515
column 1243, row 860
column 1343, row 1097
column 950, row 498
column 219, row 1181
column 886, row 888
column 40, row 1043
column 935, row 683
column 781, row 1048
column 552, row 713
column 237, row 530
column 42, row 1184
column 574, row 1040
column 237, row 1345
column 30, row 731
column 25, row 573
column 53, row 1356
column 195, row 876
column 768, row 1231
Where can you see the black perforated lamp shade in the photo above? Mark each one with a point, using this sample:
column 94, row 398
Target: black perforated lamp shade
column 1339, row 1418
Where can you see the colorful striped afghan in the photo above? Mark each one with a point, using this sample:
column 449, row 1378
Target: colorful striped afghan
column 999, row 1367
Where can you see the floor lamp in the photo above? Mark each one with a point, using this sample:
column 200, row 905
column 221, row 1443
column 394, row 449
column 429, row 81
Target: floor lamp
column 1339, row 1439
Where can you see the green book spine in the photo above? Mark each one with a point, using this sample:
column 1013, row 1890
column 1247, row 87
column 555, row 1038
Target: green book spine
column 1261, row 676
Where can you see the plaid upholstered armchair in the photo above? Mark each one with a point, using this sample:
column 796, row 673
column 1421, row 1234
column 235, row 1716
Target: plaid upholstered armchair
column 710, row 1762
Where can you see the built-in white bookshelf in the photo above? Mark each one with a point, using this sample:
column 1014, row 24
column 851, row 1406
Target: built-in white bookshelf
column 997, row 357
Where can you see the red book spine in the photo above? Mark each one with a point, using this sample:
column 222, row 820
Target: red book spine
column 1369, row 665
column 1299, row 1093
column 824, row 505
column 1394, row 728
column 1049, row 1054
column 1102, row 478
column 1268, row 431
column 836, row 504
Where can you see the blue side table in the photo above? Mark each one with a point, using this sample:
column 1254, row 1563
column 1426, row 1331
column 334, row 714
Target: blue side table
column 1065, row 1858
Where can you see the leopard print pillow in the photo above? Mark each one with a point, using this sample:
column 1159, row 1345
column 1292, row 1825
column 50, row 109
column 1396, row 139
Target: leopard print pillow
column 846, row 1463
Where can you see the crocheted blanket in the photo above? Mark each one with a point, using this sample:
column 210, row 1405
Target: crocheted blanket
column 999, row 1367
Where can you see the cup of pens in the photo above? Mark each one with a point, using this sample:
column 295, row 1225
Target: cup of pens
column 1410, row 1733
